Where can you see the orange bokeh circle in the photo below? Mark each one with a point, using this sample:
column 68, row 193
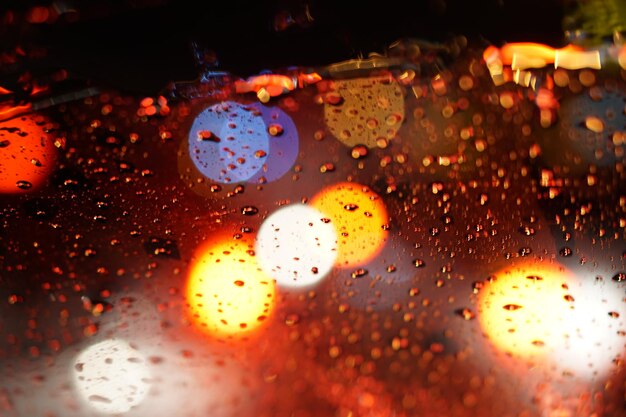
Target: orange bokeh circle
column 360, row 218
column 27, row 154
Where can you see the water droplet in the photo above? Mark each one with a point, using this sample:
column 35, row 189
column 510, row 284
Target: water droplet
column 534, row 278
column 538, row 343
column 292, row 319
column 594, row 124
column 477, row 286
column 511, row 307
column 350, row 207
column 359, row 151
column 419, row 263
column 319, row 135
column 239, row 283
column 249, row 210
column 565, row 252
column 525, row 251
column 99, row 399
column 614, row 314
column 275, row 129
column 527, row 230
column 327, row 167
column 568, row 298
column 24, row 185
column 465, row 313
column 208, row 136
column 358, row 273
column 619, row 277
column 371, row 123
column 4, row 143
column 447, row 219
column 333, row 99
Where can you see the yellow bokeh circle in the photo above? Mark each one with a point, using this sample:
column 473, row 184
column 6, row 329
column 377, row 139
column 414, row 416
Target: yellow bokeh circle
column 524, row 310
column 370, row 110
column 227, row 293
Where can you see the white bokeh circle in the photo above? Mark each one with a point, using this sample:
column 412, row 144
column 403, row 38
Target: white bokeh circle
column 591, row 339
column 296, row 246
column 111, row 376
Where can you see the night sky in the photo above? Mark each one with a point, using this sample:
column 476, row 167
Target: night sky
column 141, row 45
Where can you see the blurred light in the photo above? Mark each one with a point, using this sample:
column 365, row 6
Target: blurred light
column 296, row 247
column 595, row 328
column 227, row 293
column 274, row 84
column 359, row 217
column 305, row 79
column 283, row 143
column 27, row 154
column 535, row 51
column 365, row 111
column 527, row 55
column 522, row 310
column 522, row 62
column 227, row 142
column 621, row 57
column 111, row 376
column 575, row 60
column 544, row 313
column 37, row 14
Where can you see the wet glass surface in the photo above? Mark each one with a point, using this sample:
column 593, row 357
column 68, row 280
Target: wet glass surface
column 404, row 240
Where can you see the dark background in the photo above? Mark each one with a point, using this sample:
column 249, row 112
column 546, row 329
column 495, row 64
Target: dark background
column 141, row 45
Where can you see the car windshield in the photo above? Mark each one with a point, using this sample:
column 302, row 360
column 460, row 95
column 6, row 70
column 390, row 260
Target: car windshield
column 434, row 229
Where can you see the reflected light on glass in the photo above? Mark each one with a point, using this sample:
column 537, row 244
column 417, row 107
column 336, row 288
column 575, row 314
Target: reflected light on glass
column 283, row 143
column 296, row 247
column 546, row 314
column 228, row 142
column 364, row 111
column 111, row 376
column 27, row 154
column 227, row 293
column 359, row 216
